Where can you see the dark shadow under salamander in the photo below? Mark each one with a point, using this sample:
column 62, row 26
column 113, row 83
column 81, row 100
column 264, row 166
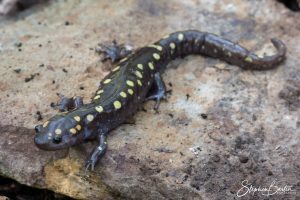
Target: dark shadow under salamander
column 128, row 85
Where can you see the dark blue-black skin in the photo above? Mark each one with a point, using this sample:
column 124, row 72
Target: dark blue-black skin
column 123, row 90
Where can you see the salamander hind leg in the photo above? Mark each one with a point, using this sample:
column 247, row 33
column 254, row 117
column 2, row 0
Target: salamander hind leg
column 67, row 104
column 97, row 153
column 113, row 51
column 158, row 92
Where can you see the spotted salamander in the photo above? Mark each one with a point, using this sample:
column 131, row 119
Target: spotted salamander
column 130, row 83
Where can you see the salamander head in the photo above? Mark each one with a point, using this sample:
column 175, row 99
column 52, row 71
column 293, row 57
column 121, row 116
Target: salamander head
column 59, row 132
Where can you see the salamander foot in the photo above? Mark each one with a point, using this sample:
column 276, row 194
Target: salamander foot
column 113, row 51
column 67, row 104
column 159, row 91
column 97, row 153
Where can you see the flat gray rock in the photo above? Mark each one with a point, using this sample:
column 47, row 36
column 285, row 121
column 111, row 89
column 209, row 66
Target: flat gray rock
column 221, row 125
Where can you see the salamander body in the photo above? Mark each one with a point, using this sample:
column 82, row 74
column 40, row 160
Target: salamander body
column 128, row 85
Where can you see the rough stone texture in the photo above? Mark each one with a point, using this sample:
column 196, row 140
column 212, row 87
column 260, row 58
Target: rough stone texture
column 220, row 126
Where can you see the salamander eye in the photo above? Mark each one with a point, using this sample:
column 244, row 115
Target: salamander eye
column 56, row 140
column 38, row 128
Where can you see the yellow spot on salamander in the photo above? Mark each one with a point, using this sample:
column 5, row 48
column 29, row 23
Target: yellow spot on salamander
column 180, row 36
column 124, row 59
column 123, row 94
column 116, row 69
column 140, row 66
column 97, row 97
column 130, row 83
column 117, row 104
column 138, row 74
column 100, row 92
column 151, row 66
column 90, row 117
column 172, row 45
column 58, row 131
column 99, row 109
column 78, row 127
column 156, row 56
column 139, row 83
column 248, row 59
column 73, row 131
column 229, row 54
column 130, row 91
column 159, row 48
column 46, row 124
column 77, row 118
column 107, row 81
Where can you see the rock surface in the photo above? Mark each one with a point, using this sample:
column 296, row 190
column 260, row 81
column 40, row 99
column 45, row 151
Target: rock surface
column 220, row 126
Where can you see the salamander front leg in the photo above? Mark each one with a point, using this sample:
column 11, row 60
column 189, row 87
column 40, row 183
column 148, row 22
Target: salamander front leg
column 67, row 104
column 113, row 51
column 97, row 153
column 159, row 90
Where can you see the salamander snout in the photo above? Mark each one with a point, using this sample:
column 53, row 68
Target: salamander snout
column 39, row 138
column 38, row 128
